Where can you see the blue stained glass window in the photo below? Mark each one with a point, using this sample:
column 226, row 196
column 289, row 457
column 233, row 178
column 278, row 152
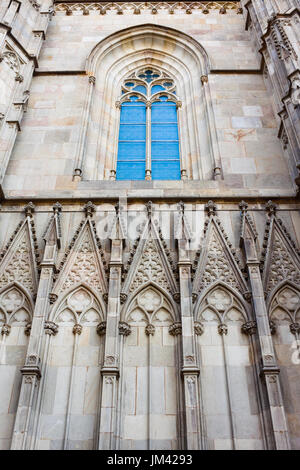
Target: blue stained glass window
column 132, row 141
column 162, row 131
column 164, row 141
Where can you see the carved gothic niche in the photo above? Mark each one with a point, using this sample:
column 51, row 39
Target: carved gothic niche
column 222, row 306
column 15, row 307
column 80, row 306
column 149, row 307
column 284, row 308
column 172, row 52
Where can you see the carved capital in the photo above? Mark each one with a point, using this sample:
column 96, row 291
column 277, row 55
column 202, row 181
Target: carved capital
column 247, row 295
column 77, row 329
column 92, row 79
column 194, row 297
column 175, row 329
column 273, row 327
column 222, row 329
column 5, row 330
column 52, row 298
column 123, row 297
column 124, row 328
column 295, row 328
column 50, row 328
column 249, row 328
column 19, row 78
column 150, row 329
column 204, row 79
column 198, row 328
column 101, row 328
column 27, row 329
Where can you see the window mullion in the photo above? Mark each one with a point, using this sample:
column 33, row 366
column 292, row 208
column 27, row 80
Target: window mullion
column 148, row 141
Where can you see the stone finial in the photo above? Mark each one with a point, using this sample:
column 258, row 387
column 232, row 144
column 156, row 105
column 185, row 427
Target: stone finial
column 271, row 207
column 150, row 329
column 175, row 329
column 243, row 206
column 210, row 208
column 77, row 329
column 198, row 328
column 50, row 328
column 124, row 328
column 180, row 207
column 57, row 207
column 149, row 208
column 29, row 209
column 89, row 209
column 249, row 328
column 101, row 328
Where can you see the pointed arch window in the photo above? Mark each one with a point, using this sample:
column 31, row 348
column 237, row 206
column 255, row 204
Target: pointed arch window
column 148, row 146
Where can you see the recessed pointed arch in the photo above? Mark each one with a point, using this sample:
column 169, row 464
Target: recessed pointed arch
column 16, row 306
column 284, row 302
column 77, row 302
column 157, row 303
column 174, row 53
column 232, row 301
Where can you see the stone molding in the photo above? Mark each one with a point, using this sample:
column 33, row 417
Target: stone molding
column 137, row 8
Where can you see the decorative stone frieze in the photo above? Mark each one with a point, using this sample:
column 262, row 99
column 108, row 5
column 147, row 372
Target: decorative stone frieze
column 154, row 8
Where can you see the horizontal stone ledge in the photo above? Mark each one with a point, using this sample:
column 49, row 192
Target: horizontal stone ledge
column 153, row 193
column 41, row 72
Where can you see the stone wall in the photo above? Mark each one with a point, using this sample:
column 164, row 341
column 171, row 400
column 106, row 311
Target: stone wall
column 131, row 324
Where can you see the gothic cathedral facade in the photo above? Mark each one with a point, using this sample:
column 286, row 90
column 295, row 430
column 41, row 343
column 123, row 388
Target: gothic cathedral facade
column 149, row 224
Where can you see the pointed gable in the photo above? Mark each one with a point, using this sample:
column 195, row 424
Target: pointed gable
column 281, row 258
column 19, row 262
column 151, row 263
column 217, row 262
column 83, row 263
column 150, row 268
